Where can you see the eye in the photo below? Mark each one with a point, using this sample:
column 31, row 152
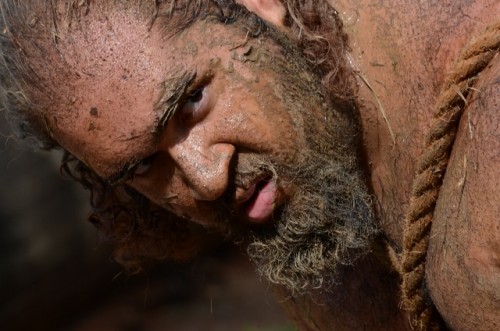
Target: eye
column 144, row 166
column 194, row 106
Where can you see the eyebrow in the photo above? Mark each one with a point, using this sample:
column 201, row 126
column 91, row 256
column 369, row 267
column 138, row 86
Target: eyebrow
column 173, row 90
column 172, row 93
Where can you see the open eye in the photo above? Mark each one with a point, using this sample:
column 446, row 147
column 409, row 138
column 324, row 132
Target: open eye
column 144, row 166
column 194, row 106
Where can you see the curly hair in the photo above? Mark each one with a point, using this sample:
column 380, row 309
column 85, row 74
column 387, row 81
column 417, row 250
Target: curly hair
column 142, row 231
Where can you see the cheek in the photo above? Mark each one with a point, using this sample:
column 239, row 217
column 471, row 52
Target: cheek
column 165, row 186
column 157, row 183
column 253, row 111
column 277, row 126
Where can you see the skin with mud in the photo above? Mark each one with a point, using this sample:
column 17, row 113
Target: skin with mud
column 236, row 124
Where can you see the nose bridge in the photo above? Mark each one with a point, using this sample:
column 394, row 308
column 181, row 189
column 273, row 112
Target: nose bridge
column 204, row 165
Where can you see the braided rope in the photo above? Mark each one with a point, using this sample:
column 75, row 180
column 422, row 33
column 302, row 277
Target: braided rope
column 431, row 167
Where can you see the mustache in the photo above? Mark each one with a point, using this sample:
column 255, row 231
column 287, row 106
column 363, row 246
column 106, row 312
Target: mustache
column 245, row 168
column 251, row 166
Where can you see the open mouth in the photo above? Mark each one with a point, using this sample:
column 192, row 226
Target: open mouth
column 260, row 205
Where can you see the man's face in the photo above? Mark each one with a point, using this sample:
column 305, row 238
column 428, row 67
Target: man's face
column 223, row 130
column 226, row 112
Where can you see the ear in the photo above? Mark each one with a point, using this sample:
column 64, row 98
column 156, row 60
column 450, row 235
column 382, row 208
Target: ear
column 272, row 11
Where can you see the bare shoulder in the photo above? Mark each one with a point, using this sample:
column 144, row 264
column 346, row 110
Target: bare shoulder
column 403, row 50
column 463, row 268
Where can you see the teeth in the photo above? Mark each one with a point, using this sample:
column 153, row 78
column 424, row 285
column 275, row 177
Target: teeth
column 253, row 190
column 244, row 194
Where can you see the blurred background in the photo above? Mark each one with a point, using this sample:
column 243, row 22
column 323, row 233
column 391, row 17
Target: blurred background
column 55, row 274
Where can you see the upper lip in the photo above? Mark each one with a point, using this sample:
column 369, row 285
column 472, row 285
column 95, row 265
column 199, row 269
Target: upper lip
column 245, row 192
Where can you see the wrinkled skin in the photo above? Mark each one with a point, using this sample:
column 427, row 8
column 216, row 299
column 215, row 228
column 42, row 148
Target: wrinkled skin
column 403, row 51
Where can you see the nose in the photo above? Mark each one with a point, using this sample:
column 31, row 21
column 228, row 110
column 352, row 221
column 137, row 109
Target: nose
column 204, row 166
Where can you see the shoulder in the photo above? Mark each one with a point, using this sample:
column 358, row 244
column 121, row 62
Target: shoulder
column 403, row 52
column 463, row 268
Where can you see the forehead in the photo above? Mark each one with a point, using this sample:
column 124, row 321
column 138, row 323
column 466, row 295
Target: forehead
column 120, row 65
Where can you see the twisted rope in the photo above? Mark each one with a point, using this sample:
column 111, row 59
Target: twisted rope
column 431, row 167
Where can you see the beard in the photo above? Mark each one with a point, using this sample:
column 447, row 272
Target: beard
column 328, row 221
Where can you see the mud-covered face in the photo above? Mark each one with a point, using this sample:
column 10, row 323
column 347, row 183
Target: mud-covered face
column 175, row 118
column 223, row 130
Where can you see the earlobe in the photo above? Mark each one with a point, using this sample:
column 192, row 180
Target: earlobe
column 272, row 11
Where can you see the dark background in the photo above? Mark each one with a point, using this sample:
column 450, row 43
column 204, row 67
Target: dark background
column 56, row 273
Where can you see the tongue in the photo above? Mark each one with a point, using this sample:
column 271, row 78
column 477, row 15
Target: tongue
column 261, row 208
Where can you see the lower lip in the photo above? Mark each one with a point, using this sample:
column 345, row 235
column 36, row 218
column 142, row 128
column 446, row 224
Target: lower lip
column 261, row 207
